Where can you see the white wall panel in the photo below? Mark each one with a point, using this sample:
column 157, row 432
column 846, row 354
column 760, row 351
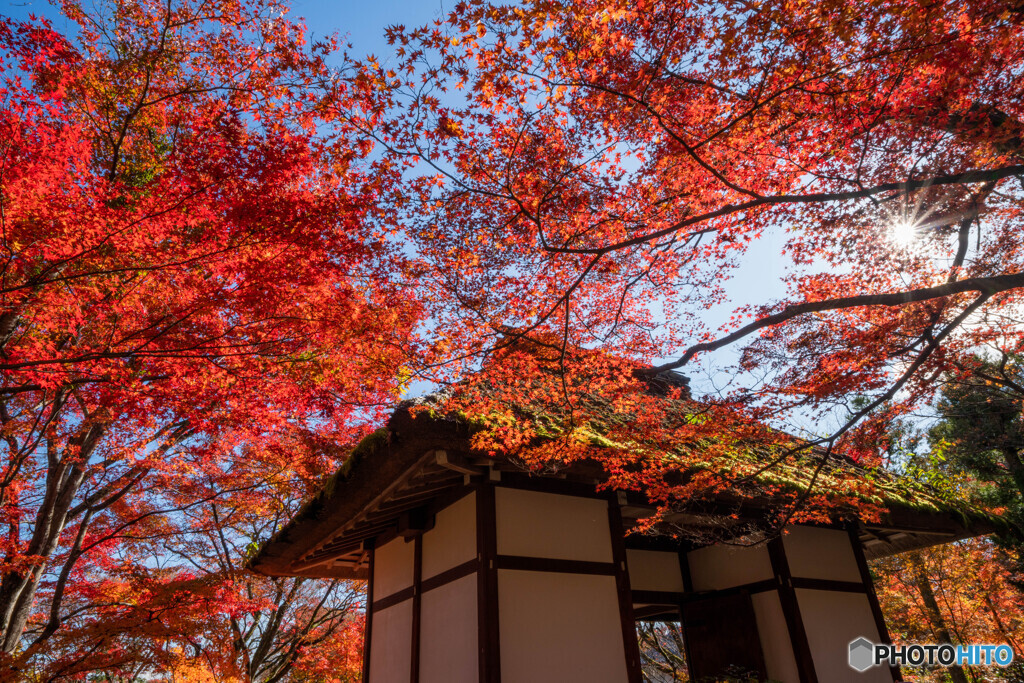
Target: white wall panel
column 816, row 553
column 832, row 620
column 726, row 566
column 452, row 541
column 448, row 633
column 391, row 644
column 550, row 525
column 779, row 660
column 392, row 567
column 559, row 627
column 654, row 570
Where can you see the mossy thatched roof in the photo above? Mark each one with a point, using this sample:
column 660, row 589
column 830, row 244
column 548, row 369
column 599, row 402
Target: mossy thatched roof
column 396, row 468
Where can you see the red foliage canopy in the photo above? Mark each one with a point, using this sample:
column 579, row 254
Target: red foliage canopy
column 196, row 307
column 594, row 170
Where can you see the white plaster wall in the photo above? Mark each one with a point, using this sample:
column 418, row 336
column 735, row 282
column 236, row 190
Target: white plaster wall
column 391, row 644
column 535, row 524
column 816, row 553
column 779, row 660
column 448, row 633
column 832, row 620
column 557, row 628
column 654, row 570
column 726, row 566
column 392, row 567
column 452, row 541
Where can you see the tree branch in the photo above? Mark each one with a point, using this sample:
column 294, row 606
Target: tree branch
column 986, row 286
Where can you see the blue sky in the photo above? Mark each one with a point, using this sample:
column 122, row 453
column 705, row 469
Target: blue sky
column 363, row 22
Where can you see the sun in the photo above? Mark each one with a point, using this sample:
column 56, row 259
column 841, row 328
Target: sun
column 907, row 226
column 904, row 232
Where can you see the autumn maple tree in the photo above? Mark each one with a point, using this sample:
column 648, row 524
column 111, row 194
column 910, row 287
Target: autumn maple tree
column 197, row 312
column 957, row 593
column 218, row 250
column 591, row 173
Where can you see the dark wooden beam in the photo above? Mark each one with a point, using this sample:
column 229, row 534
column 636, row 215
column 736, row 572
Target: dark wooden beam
column 489, row 639
column 454, row 574
column 393, row 599
column 368, row 626
column 869, row 587
column 684, row 571
column 519, row 480
column 750, row 588
column 622, row 586
column 829, row 585
column 791, row 611
column 657, row 597
column 656, row 613
column 417, row 571
column 665, row 544
column 549, row 564
column 413, row 523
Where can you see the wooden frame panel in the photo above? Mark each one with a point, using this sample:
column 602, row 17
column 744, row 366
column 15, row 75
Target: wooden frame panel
column 791, row 610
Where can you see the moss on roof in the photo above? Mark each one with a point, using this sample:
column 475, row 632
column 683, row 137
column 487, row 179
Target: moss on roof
column 441, row 422
column 793, row 475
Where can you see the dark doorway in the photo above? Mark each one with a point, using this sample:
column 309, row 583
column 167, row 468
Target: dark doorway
column 708, row 638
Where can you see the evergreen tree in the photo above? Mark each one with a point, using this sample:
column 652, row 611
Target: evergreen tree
column 981, row 433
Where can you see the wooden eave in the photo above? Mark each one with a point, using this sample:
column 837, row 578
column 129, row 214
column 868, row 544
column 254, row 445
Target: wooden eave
column 425, row 461
column 327, row 537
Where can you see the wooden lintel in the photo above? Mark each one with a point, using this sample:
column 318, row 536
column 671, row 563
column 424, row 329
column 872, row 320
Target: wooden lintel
column 408, row 476
column 455, row 462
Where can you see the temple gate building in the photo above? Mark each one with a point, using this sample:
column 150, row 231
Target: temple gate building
column 479, row 572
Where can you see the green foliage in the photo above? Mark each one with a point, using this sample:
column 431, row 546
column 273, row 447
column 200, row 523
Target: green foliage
column 981, row 436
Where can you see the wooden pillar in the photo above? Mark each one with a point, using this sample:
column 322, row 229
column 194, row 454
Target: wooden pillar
column 487, row 585
column 791, row 610
column 368, row 622
column 869, row 585
column 684, row 572
column 417, row 578
column 629, row 640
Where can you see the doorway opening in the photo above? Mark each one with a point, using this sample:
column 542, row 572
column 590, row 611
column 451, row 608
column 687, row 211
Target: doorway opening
column 703, row 638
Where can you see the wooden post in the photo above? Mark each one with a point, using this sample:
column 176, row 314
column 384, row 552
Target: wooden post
column 368, row 624
column 684, row 571
column 487, row 584
column 869, row 586
column 630, row 645
column 417, row 589
column 791, row 610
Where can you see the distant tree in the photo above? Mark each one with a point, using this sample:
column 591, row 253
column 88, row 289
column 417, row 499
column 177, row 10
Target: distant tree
column 969, row 591
column 662, row 652
column 981, row 434
column 957, row 593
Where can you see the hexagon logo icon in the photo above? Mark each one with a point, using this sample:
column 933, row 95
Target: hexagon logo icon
column 860, row 654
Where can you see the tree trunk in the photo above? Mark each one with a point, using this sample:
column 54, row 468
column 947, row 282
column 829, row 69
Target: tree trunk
column 63, row 479
column 931, row 607
column 1002, row 627
column 1011, row 456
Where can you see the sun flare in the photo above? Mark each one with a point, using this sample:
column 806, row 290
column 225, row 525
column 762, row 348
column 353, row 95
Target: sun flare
column 904, row 232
